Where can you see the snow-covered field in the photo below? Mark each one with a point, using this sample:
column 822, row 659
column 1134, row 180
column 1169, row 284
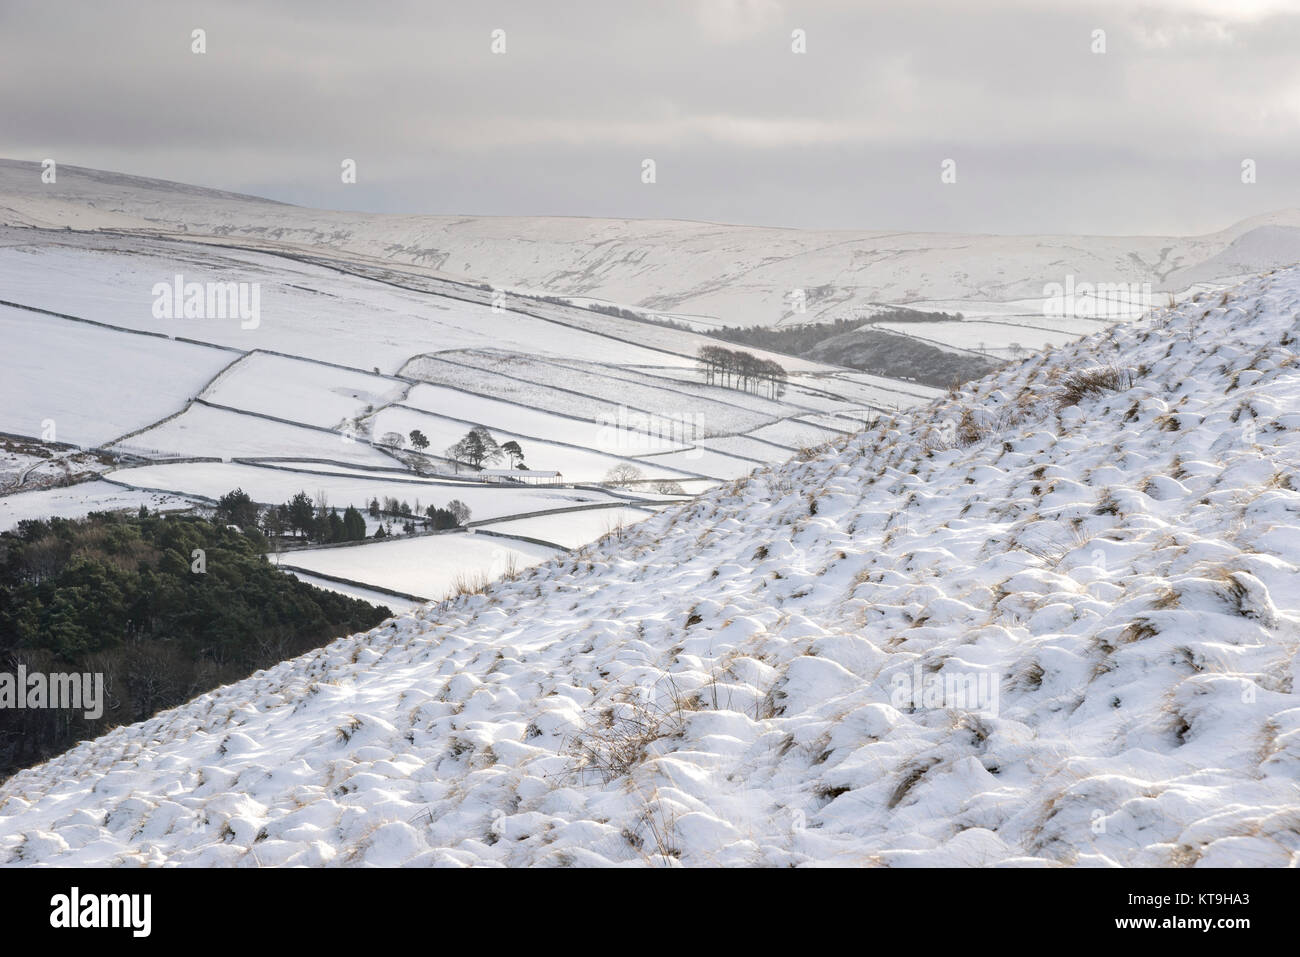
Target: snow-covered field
column 740, row 275
column 1034, row 623
column 304, row 309
column 307, row 392
column 709, row 273
column 573, row 529
column 743, row 446
column 270, row 485
column 798, row 433
column 985, row 336
column 28, row 464
column 331, row 367
column 701, row 461
column 426, row 566
column 53, row 384
column 77, row 501
column 383, row 599
column 205, row 431
column 525, row 420
column 870, row 390
column 604, row 397
column 578, row 464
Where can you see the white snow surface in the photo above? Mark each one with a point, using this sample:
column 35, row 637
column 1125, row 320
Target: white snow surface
column 719, row 273
column 54, row 377
column 383, row 599
column 719, row 685
column 572, row 529
column 202, row 430
column 78, row 501
column 426, row 566
column 268, row 484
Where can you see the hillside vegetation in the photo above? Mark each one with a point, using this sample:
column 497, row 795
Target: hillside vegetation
column 738, row 274
column 872, row 350
column 1048, row 619
column 857, row 344
column 164, row 607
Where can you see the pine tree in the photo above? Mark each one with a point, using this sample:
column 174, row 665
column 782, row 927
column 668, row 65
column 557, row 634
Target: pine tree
column 354, row 526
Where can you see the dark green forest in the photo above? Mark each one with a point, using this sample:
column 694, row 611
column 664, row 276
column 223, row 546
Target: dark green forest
column 797, row 340
column 165, row 607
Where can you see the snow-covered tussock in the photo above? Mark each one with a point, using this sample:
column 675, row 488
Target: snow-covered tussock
column 1050, row 619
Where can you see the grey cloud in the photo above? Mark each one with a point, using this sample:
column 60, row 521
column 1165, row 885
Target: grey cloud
column 1048, row 137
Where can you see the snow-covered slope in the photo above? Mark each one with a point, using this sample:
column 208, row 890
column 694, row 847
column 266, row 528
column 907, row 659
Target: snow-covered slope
column 1110, row 568
column 740, row 275
column 343, row 356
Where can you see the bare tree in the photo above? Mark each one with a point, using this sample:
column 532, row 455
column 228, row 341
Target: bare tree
column 623, row 476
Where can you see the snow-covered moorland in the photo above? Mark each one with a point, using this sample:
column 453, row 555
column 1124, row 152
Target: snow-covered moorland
column 1101, row 543
column 708, row 272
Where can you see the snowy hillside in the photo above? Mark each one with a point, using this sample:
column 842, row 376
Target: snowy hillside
column 739, row 275
column 343, row 356
column 1050, row 619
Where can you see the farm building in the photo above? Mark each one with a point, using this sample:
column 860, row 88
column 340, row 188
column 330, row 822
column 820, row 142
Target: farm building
column 521, row 476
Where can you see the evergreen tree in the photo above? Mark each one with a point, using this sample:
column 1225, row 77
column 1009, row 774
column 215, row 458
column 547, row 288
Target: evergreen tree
column 116, row 594
column 514, row 453
column 236, row 508
column 354, row 526
column 478, row 448
column 301, row 513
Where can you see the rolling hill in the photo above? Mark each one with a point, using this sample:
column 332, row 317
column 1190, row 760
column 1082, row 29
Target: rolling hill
column 322, row 390
column 1049, row 618
column 711, row 273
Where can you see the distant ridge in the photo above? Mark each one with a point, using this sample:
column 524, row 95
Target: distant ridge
column 737, row 275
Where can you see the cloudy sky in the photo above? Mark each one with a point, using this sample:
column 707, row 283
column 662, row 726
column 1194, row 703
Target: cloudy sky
column 1047, row 135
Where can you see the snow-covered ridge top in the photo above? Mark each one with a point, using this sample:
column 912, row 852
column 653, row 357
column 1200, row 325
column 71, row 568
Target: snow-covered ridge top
column 736, row 274
column 1112, row 557
column 89, row 183
column 21, row 177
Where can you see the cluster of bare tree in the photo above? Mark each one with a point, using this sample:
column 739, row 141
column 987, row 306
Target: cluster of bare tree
column 629, row 476
column 480, row 449
column 742, row 370
column 455, row 515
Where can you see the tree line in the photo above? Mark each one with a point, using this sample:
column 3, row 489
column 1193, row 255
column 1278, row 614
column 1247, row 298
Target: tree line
column 479, row 448
column 314, row 520
column 742, row 370
column 798, row 340
column 165, row 607
column 455, row 515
